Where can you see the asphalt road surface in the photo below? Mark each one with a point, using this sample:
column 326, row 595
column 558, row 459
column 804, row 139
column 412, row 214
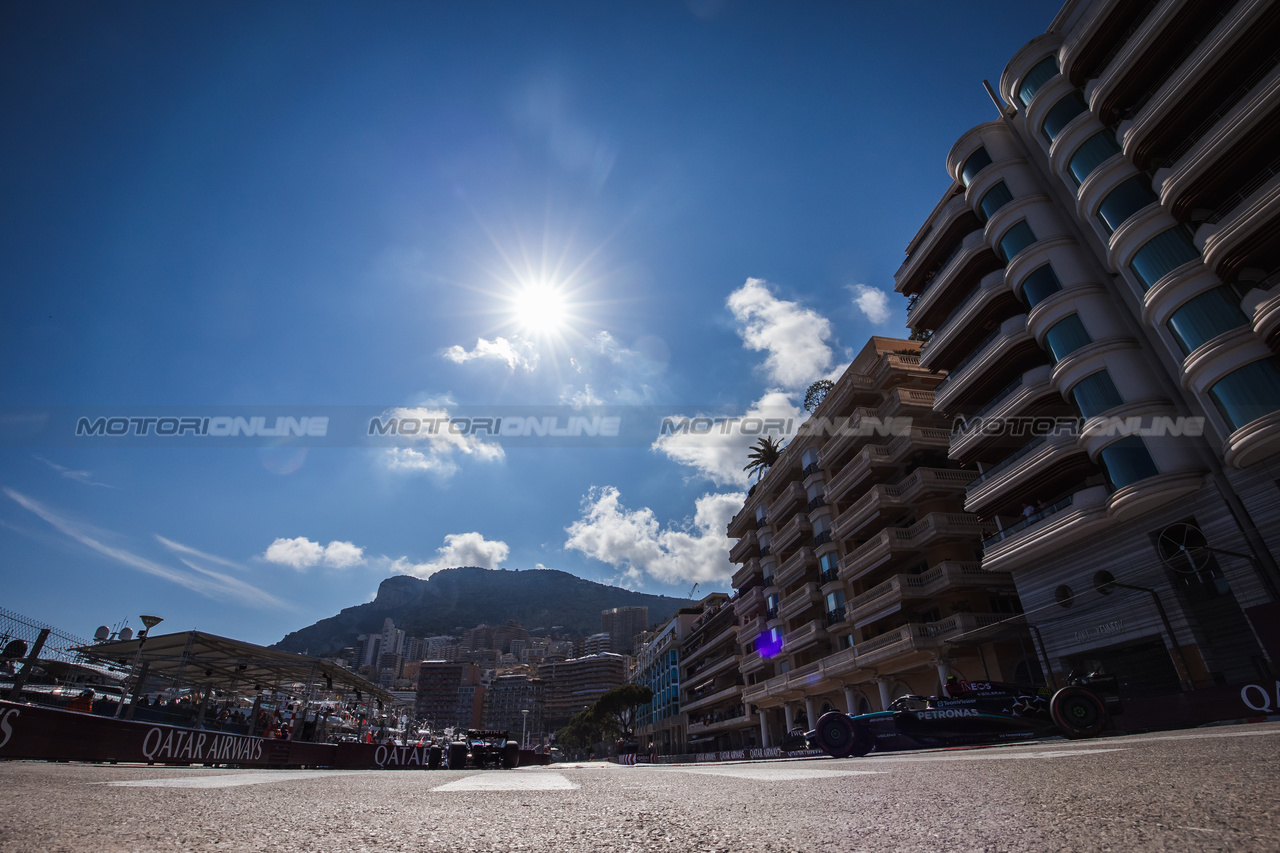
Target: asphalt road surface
column 1205, row 789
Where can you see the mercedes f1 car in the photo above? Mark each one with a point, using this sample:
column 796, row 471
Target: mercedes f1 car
column 972, row 713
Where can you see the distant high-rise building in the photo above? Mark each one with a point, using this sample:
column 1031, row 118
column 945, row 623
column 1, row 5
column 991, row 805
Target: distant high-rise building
column 449, row 695
column 575, row 684
column 506, row 700
column 622, row 624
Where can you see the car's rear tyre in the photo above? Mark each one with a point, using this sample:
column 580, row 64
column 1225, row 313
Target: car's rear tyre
column 457, row 756
column 835, row 734
column 433, row 758
column 1077, row 712
column 511, row 755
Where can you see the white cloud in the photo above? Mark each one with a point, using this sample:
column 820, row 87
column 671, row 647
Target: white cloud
column 436, row 451
column 720, row 458
column 301, row 553
column 459, row 549
column 514, row 352
column 635, row 543
column 872, row 302
column 206, row 581
column 794, row 337
column 580, row 398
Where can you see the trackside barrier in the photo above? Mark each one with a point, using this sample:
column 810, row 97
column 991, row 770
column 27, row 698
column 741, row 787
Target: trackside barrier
column 52, row 734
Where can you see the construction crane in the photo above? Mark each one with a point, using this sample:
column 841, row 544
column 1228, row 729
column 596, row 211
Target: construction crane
column 692, row 591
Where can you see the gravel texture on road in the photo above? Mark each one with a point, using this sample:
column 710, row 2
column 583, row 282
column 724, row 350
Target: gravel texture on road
column 1210, row 789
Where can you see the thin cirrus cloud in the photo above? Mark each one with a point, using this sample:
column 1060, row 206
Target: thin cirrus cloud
column 872, row 302
column 635, row 543
column 200, row 579
column 85, row 477
column 793, row 337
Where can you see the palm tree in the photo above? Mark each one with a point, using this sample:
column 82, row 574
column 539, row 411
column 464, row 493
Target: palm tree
column 763, row 454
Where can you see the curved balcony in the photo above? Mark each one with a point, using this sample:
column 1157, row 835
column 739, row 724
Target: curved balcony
column 1029, row 390
column 905, row 402
column 1017, row 471
column 746, row 547
column 1264, row 307
column 962, row 319
column 1181, row 184
column 1220, row 355
column 1153, row 492
column 905, row 640
column 751, row 663
column 798, row 529
column 801, row 638
column 790, row 498
column 1005, row 343
column 848, row 433
column 883, row 500
column 1106, row 92
column 937, row 293
column 749, row 602
column 799, row 601
column 879, row 460
column 712, row 667
column 1168, row 99
column 795, row 568
column 894, row 544
column 1253, row 442
column 1085, row 41
column 1231, row 243
column 733, row 691
column 750, row 629
column 950, row 213
column 751, row 568
column 889, row 596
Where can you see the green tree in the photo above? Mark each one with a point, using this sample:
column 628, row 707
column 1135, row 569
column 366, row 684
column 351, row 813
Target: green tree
column 615, row 711
column 816, row 394
column 763, row 454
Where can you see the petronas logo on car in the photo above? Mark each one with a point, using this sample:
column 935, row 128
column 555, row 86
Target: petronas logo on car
column 946, row 714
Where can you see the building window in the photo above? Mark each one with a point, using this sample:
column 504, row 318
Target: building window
column 1124, row 201
column 1095, row 394
column 1066, row 336
column 1095, row 151
column 1042, row 72
column 977, row 161
column 1040, row 285
column 1016, row 239
column 1162, row 253
column 835, row 601
column 996, row 198
column 1127, row 461
column 1061, row 113
column 1249, row 393
column 1204, row 317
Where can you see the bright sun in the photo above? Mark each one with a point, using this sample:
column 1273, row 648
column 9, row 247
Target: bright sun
column 540, row 308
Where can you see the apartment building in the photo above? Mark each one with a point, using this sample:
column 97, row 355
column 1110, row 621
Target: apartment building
column 622, row 624
column 515, row 703
column 1098, row 283
column 661, row 721
column 575, row 684
column 449, row 695
column 711, row 688
column 859, row 577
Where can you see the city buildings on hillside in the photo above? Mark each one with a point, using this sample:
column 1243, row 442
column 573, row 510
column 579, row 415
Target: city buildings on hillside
column 859, row 577
column 575, row 684
column 622, row 624
column 449, row 695
column 1099, row 284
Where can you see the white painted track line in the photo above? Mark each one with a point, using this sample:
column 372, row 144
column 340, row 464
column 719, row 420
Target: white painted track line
column 510, row 782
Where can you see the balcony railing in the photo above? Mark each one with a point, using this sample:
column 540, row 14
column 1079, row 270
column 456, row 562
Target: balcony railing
column 761, row 522
column 771, row 613
column 817, row 503
column 835, row 616
column 1029, row 520
column 829, row 575
column 1008, row 461
column 978, row 349
column 821, row 538
column 811, row 469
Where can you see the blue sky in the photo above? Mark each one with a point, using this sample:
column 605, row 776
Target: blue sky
column 676, row 205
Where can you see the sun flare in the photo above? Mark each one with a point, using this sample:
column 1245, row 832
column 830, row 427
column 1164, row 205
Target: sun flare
column 540, row 308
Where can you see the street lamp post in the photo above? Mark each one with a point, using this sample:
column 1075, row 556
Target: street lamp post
column 524, row 729
column 150, row 622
